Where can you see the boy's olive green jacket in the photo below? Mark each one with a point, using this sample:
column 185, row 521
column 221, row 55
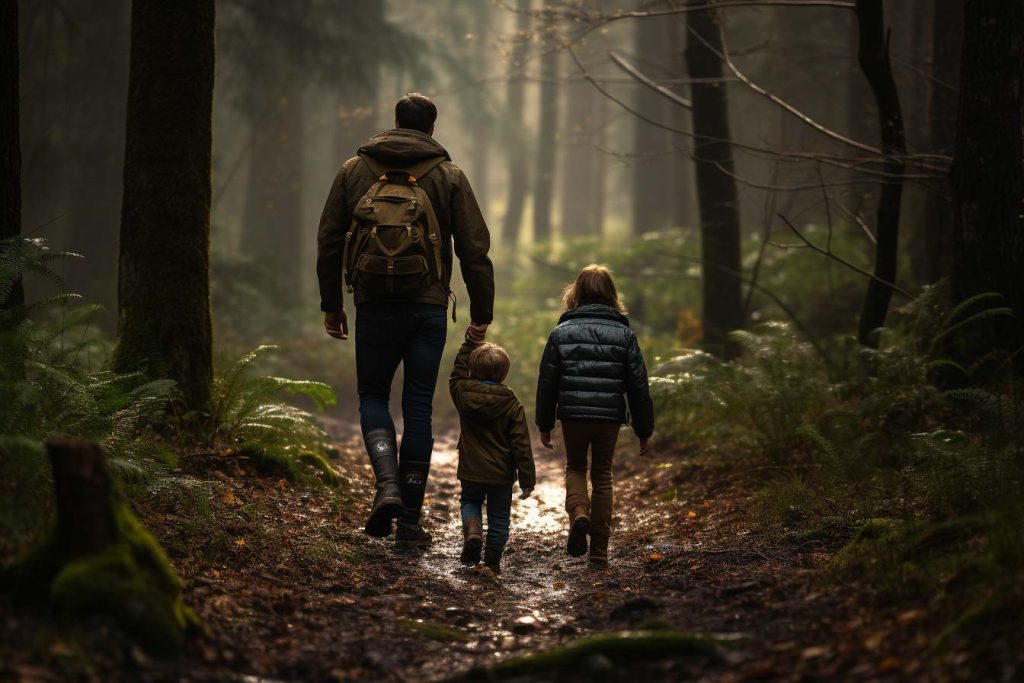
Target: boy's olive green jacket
column 495, row 442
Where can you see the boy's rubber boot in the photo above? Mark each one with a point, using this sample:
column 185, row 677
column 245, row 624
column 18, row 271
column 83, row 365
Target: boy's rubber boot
column 412, row 479
column 492, row 559
column 387, row 503
column 579, row 527
column 599, row 550
column 473, row 540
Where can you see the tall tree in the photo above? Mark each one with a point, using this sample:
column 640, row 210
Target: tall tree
column 684, row 199
column 515, row 133
column 988, row 172
column 873, row 55
column 163, row 279
column 544, row 179
column 272, row 227
column 716, row 187
column 653, row 186
column 580, row 207
column 10, row 144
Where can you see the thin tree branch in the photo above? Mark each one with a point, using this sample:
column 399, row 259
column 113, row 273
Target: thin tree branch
column 649, row 82
column 840, row 259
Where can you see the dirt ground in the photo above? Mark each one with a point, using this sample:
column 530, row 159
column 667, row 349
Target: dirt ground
column 292, row 590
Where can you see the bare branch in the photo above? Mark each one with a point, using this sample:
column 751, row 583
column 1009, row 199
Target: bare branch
column 840, row 259
column 649, row 82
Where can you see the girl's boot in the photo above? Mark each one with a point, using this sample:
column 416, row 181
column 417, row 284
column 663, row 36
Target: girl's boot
column 599, row 550
column 579, row 527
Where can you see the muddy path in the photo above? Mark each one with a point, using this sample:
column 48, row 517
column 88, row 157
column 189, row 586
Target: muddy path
column 292, row 590
column 315, row 599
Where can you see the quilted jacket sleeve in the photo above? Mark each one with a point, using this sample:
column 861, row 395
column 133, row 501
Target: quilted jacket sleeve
column 638, row 391
column 547, row 386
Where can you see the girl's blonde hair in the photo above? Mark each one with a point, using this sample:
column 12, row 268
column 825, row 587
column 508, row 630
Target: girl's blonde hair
column 594, row 285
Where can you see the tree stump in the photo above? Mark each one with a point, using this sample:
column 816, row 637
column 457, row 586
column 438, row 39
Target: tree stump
column 100, row 559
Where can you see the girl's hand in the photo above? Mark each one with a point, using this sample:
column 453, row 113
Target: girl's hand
column 545, row 440
column 525, row 494
column 645, row 446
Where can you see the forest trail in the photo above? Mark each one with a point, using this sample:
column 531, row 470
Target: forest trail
column 303, row 594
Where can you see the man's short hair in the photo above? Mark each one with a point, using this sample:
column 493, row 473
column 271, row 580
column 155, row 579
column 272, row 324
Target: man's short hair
column 416, row 111
column 489, row 363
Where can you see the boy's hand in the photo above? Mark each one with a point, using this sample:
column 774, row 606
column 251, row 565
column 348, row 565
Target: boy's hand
column 525, row 494
column 545, row 439
column 645, row 446
column 336, row 324
column 476, row 333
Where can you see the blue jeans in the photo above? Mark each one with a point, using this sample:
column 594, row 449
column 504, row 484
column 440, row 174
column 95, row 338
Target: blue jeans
column 499, row 509
column 411, row 334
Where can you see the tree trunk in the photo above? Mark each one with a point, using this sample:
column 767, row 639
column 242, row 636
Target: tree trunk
column 579, row 204
column 516, row 139
column 163, row 279
column 716, row 189
column 653, row 189
column 934, row 252
column 988, row 174
column 10, row 145
column 873, row 55
column 684, row 212
column 480, row 112
column 544, row 181
column 272, row 230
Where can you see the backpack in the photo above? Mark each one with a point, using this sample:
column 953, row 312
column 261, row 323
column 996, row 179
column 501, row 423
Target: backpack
column 393, row 246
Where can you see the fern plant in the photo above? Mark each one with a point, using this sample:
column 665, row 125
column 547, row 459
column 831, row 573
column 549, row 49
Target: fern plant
column 246, row 409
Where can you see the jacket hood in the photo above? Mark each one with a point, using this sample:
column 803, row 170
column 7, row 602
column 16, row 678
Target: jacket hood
column 486, row 401
column 599, row 311
column 403, row 146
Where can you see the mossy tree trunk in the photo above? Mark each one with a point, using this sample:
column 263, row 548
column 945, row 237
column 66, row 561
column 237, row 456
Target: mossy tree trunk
column 10, row 144
column 163, row 281
column 100, row 559
column 988, row 172
column 716, row 187
column 515, row 143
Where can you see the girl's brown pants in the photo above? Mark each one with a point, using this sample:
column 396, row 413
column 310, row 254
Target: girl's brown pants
column 598, row 437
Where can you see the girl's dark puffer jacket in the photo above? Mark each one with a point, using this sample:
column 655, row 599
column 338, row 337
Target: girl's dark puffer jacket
column 591, row 364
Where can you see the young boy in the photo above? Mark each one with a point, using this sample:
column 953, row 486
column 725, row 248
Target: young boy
column 494, row 448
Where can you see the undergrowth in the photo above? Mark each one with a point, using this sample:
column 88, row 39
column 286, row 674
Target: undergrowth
column 922, row 484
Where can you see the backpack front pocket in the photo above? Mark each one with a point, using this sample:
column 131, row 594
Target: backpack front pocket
column 398, row 276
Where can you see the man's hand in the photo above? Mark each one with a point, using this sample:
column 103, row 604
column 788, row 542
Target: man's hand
column 336, row 324
column 525, row 494
column 476, row 333
column 645, row 446
column 545, row 439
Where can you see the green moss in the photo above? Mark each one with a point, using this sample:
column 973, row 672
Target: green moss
column 271, row 463
column 319, row 463
column 131, row 580
column 434, row 631
column 134, row 581
column 624, row 647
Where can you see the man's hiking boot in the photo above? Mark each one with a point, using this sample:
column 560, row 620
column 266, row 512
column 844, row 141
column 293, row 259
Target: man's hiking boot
column 579, row 526
column 473, row 540
column 598, row 550
column 492, row 559
column 411, row 536
column 387, row 503
column 412, row 479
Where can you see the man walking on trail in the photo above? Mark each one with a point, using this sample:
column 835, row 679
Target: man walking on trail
column 386, row 234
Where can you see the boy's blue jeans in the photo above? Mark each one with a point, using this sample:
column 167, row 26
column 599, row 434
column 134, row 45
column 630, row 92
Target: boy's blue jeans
column 499, row 509
column 411, row 334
